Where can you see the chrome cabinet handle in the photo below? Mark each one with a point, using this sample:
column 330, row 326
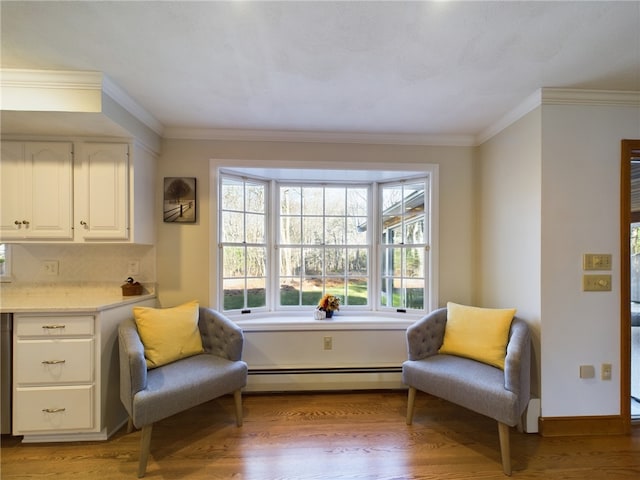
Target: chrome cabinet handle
column 53, row 410
column 53, row 362
column 51, row 327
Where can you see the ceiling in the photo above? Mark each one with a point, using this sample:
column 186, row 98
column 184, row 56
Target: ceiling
column 423, row 69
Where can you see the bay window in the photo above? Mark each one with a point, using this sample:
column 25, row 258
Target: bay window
column 285, row 240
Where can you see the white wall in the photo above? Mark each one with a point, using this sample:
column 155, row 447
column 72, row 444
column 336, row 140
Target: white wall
column 184, row 250
column 508, row 248
column 580, row 214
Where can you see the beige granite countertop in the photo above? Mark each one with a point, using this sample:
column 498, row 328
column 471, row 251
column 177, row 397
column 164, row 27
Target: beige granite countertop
column 66, row 297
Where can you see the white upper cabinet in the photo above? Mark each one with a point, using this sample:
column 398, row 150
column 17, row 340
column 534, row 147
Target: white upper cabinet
column 102, row 192
column 36, row 181
column 84, row 192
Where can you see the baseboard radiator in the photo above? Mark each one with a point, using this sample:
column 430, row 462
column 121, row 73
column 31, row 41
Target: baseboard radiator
column 324, row 378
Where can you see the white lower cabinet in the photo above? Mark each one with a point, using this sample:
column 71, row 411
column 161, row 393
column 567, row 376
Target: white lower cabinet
column 66, row 379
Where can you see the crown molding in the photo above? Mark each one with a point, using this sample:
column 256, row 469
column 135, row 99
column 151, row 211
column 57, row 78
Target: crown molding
column 27, row 78
column 561, row 96
column 571, row 96
column 130, row 105
column 530, row 103
column 316, row 137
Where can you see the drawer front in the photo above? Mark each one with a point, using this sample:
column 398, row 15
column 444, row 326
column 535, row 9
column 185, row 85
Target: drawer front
column 47, row 409
column 53, row 361
column 53, row 326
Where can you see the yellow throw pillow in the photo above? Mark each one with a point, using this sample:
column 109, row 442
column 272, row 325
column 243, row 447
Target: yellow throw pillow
column 478, row 333
column 168, row 334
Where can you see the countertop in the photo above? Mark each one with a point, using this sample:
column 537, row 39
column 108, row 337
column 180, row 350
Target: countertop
column 67, row 297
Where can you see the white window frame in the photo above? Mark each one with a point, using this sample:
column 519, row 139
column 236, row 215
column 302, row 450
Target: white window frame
column 286, row 171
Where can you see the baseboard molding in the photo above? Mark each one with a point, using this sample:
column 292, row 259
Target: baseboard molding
column 592, row 425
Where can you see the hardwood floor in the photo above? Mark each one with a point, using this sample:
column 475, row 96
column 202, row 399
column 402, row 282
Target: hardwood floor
column 359, row 435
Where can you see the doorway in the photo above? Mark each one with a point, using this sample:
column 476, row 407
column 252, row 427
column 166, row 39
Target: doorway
column 630, row 281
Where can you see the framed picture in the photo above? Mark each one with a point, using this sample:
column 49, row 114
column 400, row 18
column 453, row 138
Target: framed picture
column 179, row 205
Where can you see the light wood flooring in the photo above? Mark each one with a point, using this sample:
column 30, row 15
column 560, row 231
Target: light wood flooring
column 360, row 435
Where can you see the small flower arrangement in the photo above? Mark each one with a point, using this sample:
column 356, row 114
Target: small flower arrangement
column 329, row 303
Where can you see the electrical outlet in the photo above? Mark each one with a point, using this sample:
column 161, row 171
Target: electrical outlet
column 51, row 267
column 328, row 343
column 133, row 267
column 606, row 371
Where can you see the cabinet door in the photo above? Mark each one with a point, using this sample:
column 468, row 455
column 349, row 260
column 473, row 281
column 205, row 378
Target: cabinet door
column 12, row 185
column 36, row 190
column 102, row 192
column 49, row 169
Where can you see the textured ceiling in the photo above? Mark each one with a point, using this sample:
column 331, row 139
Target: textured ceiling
column 432, row 68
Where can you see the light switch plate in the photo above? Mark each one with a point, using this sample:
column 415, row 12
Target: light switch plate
column 596, row 261
column 596, row 283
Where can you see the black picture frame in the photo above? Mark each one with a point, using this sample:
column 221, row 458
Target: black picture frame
column 179, row 200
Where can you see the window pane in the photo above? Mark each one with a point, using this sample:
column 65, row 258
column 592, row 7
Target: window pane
column 334, row 201
column 290, row 200
column 312, row 202
column 232, row 194
column 357, row 292
column 334, row 231
column 415, row 294
column 415, row 231
column 397, row 299
column 289, row 291
column 414, row 262
column 312, row 230
column 233, row 293
column 311, row 291
column 256, row 261
column 290, row 230
column 337, row 287
column 256, row 293
column 290, row 262
column 334, row 260
column 312, row 261
column 357, row 202
column 255, row 228
column 255, row 198
column 232, row 227
column 357, row 261
column 233, row 262
column 356, row 230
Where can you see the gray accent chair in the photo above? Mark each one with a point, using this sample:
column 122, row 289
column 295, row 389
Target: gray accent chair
column 501, row 395
column 152, row 395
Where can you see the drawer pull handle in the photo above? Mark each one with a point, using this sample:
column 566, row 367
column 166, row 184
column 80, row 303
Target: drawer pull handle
column 53, row 327
column 53, row 410
column 53, row 362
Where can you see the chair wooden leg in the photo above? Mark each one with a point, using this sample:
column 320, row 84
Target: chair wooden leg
column 130, row 425
column 410, row 404
column 237, row 397
column 145, row 445
column 505, row 451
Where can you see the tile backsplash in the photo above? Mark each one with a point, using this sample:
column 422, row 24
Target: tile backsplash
column 82, row 263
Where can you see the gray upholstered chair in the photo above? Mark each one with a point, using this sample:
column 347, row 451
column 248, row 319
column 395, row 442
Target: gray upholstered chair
column 152, row 395
column 501, row 395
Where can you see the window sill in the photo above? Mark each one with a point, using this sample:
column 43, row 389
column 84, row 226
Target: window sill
column 304, row 321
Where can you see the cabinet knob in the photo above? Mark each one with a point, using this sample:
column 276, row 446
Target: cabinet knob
column 18, row 222
column 24, row 222
column 83, row 223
